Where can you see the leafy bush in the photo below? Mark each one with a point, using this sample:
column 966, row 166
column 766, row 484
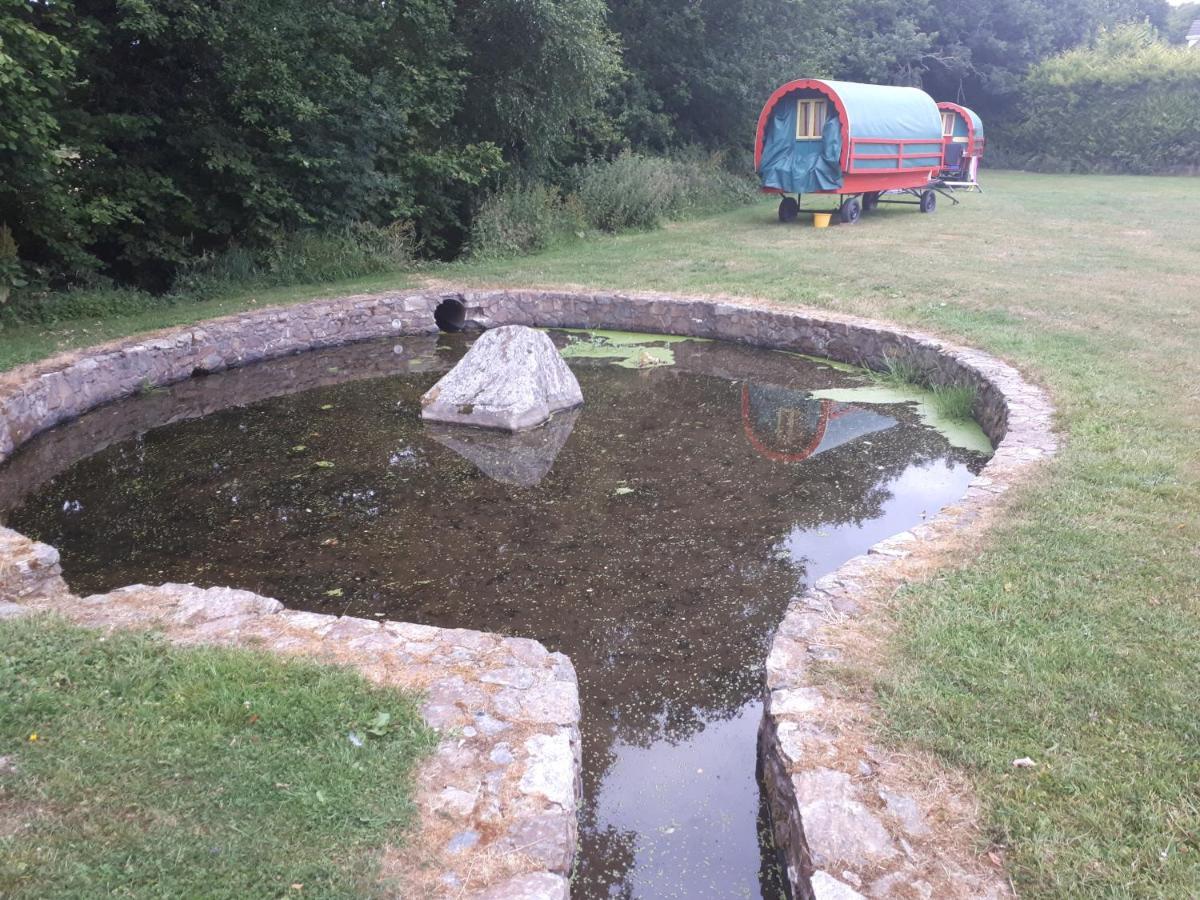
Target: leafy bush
column 10, row 263
column 305, row 257
column 44, row 308
column 300, row 258
column 1129, row 103
column 631, row 191
column 524, row 217
column 634, row 191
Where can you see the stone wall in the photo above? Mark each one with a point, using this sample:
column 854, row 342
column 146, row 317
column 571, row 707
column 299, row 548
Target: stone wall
column 842, row 826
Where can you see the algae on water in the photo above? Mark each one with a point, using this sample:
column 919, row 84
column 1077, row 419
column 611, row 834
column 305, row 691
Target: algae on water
column 964, row 433
column 828, row 363
column 624, row 348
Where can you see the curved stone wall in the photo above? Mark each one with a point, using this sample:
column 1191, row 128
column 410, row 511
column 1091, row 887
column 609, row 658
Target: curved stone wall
column 840, row 826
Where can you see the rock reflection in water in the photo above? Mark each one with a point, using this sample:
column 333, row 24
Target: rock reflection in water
column 659, row 550
column 522, row 458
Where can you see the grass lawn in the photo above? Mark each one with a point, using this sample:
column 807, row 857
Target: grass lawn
column 134, row 768
column 1075, row 638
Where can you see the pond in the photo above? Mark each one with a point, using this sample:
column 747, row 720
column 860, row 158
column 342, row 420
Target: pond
column 655, row 536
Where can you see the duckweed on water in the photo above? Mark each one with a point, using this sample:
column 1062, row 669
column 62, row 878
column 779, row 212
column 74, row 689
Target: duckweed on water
column 626, row 349
column 964, row 433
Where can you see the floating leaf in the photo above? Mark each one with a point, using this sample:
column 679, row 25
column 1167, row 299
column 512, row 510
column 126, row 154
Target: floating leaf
column 323, row 464
column 336, row 592
column 299, row 448
column 327, row 406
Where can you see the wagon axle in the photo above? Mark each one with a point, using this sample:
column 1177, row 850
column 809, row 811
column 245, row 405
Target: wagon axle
column 850, row 208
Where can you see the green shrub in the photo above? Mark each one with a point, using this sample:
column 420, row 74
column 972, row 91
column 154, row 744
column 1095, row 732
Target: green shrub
column 363, row 249
column 631, row 191
column 1129, row 103
column 305, row 257
column 300, row 258
column 48, row 308
column 10, row 263
column 634, row 191
column 523, row 217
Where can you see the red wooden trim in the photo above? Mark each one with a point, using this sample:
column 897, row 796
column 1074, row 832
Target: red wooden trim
column 865, row 180
column 869, row 140
column 960, row 111
column 906, row 152
column 801, row 84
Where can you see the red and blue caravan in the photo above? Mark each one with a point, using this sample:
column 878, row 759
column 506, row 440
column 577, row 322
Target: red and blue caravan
column 962, row 146
column 859, row 142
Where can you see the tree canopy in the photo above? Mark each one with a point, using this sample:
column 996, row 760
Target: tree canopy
column 138, row 135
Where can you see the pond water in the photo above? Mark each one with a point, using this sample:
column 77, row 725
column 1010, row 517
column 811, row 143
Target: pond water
column 655, row 536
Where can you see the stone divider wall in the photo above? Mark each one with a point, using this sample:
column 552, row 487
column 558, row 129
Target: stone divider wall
column 839, row 828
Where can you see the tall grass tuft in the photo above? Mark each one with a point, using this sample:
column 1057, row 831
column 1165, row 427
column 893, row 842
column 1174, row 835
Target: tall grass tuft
column 899, row 373
column 955, row 402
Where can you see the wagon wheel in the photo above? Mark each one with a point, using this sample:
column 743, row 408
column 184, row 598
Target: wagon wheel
column 928, row 201
column 850, row 211
column 789, row 208
column 870, row 200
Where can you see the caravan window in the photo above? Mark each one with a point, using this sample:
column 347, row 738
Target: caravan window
column 948, row 117
column 810, row 119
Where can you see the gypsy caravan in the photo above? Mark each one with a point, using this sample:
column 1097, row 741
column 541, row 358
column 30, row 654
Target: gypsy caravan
column 856, row 141
column 962, row 146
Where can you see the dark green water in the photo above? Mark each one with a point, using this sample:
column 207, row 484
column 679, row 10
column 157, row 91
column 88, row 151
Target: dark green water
column 655, row 537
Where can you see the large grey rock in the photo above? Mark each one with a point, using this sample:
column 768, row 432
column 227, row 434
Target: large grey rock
column 512, row 378
column 522, row 459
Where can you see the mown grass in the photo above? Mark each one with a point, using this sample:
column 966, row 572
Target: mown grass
column 138, row 769
column 1075, row 638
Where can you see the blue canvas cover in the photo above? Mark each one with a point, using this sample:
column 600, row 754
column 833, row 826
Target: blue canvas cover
column 978, row 122
column 886, row 111
column 800, row 167
column 960, row 127
column 872, row 111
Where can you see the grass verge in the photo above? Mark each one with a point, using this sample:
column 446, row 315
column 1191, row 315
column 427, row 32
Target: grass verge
column 141, row 769
column 1075, row 638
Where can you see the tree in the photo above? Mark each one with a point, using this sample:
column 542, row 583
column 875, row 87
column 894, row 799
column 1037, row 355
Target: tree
column 1179, row 22
column 36, row 66
column 699, row 72
column 1126, row 103
column 186, row 127
column 535, row 69
column 984, row 48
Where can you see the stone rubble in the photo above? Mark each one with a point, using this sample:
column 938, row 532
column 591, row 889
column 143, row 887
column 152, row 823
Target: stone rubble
column 830, row 797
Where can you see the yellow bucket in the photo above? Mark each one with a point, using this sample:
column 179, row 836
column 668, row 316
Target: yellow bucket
column 821, row 220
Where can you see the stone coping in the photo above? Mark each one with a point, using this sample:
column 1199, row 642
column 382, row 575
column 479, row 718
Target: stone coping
column 497, row 799
column 841, row 822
